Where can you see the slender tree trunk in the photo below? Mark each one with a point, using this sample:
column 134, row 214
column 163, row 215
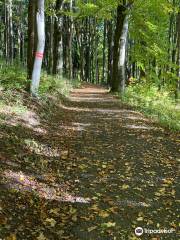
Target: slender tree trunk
column 31, row 38
column 178, row 56
column 87, row 50
column 40, row 48
column 80, row 49
column 49, row 44
column 11, row 34
column 82, row 60
column 110, row 52
column 119, row 27
column 5, row 32
column 96, row 57
column 70, row 37
column 9, row 49
column 22, row 56
column 122, row 57
column 104, row 52
column 65, row 43
column 57, row 37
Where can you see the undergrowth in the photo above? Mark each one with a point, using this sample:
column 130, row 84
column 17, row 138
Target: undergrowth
column 15, row 78
column 13, row 82
column 158, row 104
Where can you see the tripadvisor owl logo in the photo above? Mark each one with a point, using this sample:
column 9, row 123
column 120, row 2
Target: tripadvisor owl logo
column 139, row 231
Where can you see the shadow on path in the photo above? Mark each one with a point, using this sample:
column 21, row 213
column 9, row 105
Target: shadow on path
column 86, row 168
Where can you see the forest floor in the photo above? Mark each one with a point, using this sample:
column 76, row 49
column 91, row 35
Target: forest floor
column 87, row 168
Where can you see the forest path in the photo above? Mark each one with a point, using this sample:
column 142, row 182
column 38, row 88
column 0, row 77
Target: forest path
column 95, row 170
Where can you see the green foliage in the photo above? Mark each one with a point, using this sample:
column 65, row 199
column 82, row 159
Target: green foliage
column 13, row 82
column 157, row 104
column 56, row 84
column 12, row 77
column 11, row 102
column 100, row 9
column 148, row 29
column 15, row 78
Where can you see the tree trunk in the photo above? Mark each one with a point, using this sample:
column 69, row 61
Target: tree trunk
column 31, row 38
column 57, row 37
column 122, row 56
column 104, row 52
column 9, row 53
column 70, row 38
column 40, row 48
column 116, row 51
column 11, row 45
column 110, row 52
column 178, row 56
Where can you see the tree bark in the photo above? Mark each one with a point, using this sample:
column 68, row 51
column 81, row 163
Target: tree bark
column 70, row 38
column 104, row 52
column 110, row 52
column 116, row 50
column 178, row 56
column 31, row 38
column 122, row 57
column 57, row 37
column 40, row 48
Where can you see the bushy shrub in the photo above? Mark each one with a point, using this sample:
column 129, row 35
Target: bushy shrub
column 155, row 103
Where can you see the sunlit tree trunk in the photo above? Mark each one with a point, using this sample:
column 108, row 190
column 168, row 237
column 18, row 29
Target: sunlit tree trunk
column 11, row 46
column 116, row 50
column 40, row 48
column 104, row 52
column 110, row 51
column 70, row 37
column 122, row 55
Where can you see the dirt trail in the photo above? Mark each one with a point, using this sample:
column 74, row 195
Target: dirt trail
column 100, row 170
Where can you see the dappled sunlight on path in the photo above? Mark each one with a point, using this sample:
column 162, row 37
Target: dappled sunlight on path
column 95, row 171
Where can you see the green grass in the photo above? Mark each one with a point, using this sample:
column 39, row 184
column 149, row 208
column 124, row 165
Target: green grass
column 13, row 81
column 159, row 105
column 12, row 77
column 12, row 101
column 15, row 78
column 56, row 85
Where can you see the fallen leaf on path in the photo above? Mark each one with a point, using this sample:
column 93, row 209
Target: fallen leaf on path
column 125, row 186
column 90, row 229
column 11, row 237
column 41, row 237
column 74, row 218
column 103, row 214
column 54, row 211
column 64, row 155
column 108, row 224
column 50, row 221
column 140, row 219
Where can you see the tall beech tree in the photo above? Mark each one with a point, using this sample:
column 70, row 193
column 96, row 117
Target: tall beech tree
column 40, row 21
column 31, row 37
column 120, row 18
column 57, row 34
column 178, row 53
